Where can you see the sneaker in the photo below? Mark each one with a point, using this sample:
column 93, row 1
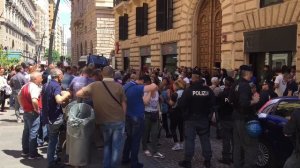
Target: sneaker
column 158, row 155
column 186, row 164
column 147, row 153
column 24, row 154
column 207, row 163
column 176, row 147
column 37, row 156
column 19, row 120
column 181, row 146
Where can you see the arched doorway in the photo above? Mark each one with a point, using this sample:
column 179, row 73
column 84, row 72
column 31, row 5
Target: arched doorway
column 209, row 28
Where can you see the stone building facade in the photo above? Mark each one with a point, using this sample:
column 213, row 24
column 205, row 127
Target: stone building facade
column 17, row 32
column 92, row 28
column 207, row 33
column 58, row 38
column 42, row 28
column 51, row 14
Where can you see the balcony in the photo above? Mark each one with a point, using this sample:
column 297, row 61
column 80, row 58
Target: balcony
column 117, row 2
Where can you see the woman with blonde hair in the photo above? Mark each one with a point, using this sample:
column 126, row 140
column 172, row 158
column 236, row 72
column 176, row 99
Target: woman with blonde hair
column 176, row 116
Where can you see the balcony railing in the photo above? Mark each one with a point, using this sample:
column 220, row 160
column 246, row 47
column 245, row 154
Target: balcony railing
column 117, row 2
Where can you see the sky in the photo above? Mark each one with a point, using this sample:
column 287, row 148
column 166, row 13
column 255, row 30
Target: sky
column 64, row 14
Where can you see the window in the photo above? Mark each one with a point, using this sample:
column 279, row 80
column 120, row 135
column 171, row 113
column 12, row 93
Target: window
column 264, row 3
column 286, row 108
column 123, row 27
column 142, row 20
column 164, row 15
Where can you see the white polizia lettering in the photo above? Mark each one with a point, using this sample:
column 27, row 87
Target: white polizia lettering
column 200, row 93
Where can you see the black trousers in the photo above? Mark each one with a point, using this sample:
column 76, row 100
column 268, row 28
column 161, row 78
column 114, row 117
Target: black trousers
column 200, row 128
column 227, row 138
column 2, row 99
column 176, row 122
column 293, row 161
column 245, row 149
column 165, row 122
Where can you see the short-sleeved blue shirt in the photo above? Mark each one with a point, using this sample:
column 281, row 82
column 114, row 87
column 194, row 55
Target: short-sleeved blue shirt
column 135, row 103
column 78, row 83
column 51, row 110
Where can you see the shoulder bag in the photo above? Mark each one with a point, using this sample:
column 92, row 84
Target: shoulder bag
column 111, row 93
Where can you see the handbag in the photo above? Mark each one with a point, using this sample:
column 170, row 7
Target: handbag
column 8, row 90
column 111, row 93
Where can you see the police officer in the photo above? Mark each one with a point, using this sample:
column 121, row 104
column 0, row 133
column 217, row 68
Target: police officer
column 292, row 129
column 225, row 117
column 197, row 102
column 243, row 103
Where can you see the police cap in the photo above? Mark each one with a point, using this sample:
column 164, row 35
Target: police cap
column 196, row 72
column 245, row 68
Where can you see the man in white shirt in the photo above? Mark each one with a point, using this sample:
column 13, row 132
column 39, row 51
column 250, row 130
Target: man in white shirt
column 280, row 84
column 3, row 83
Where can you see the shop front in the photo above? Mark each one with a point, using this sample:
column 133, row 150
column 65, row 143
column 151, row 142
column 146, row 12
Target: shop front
column 169, row 55
column 274, row 47
column 145, row 53
column 126, row 60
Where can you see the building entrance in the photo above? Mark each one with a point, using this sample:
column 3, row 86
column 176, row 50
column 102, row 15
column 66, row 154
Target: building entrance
column 209, row 29
column 275, row 60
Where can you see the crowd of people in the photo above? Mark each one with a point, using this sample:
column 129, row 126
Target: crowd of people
column 144, row 104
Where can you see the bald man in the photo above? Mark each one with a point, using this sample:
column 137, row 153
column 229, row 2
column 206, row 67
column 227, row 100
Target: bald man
column 29, row 99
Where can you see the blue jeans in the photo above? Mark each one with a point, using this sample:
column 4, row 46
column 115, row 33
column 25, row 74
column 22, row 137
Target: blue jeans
column 134, row 130
column 30, row 133
column 112, row 135
column 54, row 130
column 43, row 134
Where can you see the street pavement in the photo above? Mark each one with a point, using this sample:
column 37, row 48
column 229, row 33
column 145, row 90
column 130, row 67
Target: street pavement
column 10, row 150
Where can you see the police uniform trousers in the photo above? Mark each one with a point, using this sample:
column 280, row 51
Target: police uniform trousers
column 245, row 148
column 200, row 128
column 293, row 161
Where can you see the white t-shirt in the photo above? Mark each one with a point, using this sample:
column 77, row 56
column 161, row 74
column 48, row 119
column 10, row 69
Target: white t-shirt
column 282, row 85
column 186, row 80
column 153, row 104
column 34, row 90
column 3, row 82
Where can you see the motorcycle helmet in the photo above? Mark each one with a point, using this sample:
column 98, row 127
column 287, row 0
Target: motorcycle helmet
column 254, row 128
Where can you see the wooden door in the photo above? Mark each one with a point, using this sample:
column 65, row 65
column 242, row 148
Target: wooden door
column 209, row 29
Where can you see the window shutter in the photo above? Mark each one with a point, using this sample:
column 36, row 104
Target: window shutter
column 125, row 26
column 161, row 19
column 145, row 18
column 170, row 14
column 139, row 21
column 121, row 28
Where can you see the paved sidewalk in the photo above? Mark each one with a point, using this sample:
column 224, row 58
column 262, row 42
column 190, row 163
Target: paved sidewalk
column 10, row 150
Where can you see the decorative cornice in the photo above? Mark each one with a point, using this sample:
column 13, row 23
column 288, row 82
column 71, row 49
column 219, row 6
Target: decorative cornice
column 15, row 28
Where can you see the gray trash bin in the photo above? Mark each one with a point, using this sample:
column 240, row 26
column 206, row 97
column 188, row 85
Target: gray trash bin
column 80, row 127
column 67, row 110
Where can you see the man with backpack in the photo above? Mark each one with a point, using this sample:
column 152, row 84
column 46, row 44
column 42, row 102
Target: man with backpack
column 196, row 103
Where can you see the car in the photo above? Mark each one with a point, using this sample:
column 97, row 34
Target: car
column 274, row 147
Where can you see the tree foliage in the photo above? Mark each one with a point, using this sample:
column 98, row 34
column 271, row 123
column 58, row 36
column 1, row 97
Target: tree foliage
column 55, row 55
column 5, row 61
